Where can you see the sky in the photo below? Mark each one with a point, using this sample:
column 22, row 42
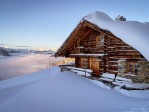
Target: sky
column 45, row 24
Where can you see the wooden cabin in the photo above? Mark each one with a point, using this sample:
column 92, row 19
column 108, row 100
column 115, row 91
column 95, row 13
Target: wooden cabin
column 101, row 51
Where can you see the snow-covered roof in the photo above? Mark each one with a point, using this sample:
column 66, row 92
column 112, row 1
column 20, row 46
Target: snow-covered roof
column 134, row 33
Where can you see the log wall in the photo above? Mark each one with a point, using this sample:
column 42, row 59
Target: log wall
column 113, row 47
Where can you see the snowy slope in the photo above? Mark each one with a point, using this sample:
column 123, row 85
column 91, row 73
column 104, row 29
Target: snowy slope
column 63, row 92
column 134, row 33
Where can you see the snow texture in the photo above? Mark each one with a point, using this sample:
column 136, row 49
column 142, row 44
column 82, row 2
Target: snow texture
column 80, row 69
column 122, row 79
column 53, row 91
column 133, row 33
column 138, row 85
column 81, row 73
column 108, row 75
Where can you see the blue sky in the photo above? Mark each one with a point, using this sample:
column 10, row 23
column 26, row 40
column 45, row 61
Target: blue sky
column 47, row 23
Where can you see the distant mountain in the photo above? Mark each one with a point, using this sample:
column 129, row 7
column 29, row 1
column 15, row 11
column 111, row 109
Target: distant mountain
column 15, row 52
column 45, row 52
column 4, row 52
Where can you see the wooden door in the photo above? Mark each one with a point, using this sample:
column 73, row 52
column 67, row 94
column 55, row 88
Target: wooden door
column 95, row 66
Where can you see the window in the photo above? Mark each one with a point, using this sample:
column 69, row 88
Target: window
column 85, row 63
column 136, row 68
column 100, row 41
column 133, row 68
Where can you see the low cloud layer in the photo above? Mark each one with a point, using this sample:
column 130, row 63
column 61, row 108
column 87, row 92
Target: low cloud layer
column 2, row 44
column 22, row 46
column 15, row 66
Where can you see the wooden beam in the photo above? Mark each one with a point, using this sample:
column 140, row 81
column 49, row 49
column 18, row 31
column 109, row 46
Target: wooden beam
column 80, row 25
column 75, row 42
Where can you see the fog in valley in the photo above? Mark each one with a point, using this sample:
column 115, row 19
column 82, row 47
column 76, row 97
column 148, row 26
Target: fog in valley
column 20, row 65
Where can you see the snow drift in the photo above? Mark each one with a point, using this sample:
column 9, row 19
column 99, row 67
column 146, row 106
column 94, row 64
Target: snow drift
column 53, row 91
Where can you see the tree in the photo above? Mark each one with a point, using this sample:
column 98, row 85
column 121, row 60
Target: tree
column 120, row 18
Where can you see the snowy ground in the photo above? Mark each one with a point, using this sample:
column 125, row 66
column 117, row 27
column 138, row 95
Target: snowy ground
column 23, row 64
column 53, row 91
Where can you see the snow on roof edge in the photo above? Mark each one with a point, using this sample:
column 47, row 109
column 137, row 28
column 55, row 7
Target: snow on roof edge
column 134, row 33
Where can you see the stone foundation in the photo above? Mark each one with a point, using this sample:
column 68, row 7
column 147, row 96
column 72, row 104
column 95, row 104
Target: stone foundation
column 122, row 66
column 143, row 71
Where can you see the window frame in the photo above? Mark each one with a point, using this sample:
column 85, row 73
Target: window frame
column 100, row 40
column 85, row 63
column 132, row 68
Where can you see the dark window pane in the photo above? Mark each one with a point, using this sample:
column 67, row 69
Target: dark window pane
column 136, row 69
column 131, row 67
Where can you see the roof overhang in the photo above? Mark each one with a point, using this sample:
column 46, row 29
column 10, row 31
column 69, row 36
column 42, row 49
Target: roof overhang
column 83, row 29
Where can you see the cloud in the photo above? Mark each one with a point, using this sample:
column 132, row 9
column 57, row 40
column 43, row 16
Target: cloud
column 22, row 46
column 2, row 44
column 24, row 65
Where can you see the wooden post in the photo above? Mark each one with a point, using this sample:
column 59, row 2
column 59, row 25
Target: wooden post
column 85, row 72
column 49, row 65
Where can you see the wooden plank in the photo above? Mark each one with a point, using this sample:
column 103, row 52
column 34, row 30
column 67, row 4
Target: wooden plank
column 95, row 65
column 80, row 25
column 75, row 42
